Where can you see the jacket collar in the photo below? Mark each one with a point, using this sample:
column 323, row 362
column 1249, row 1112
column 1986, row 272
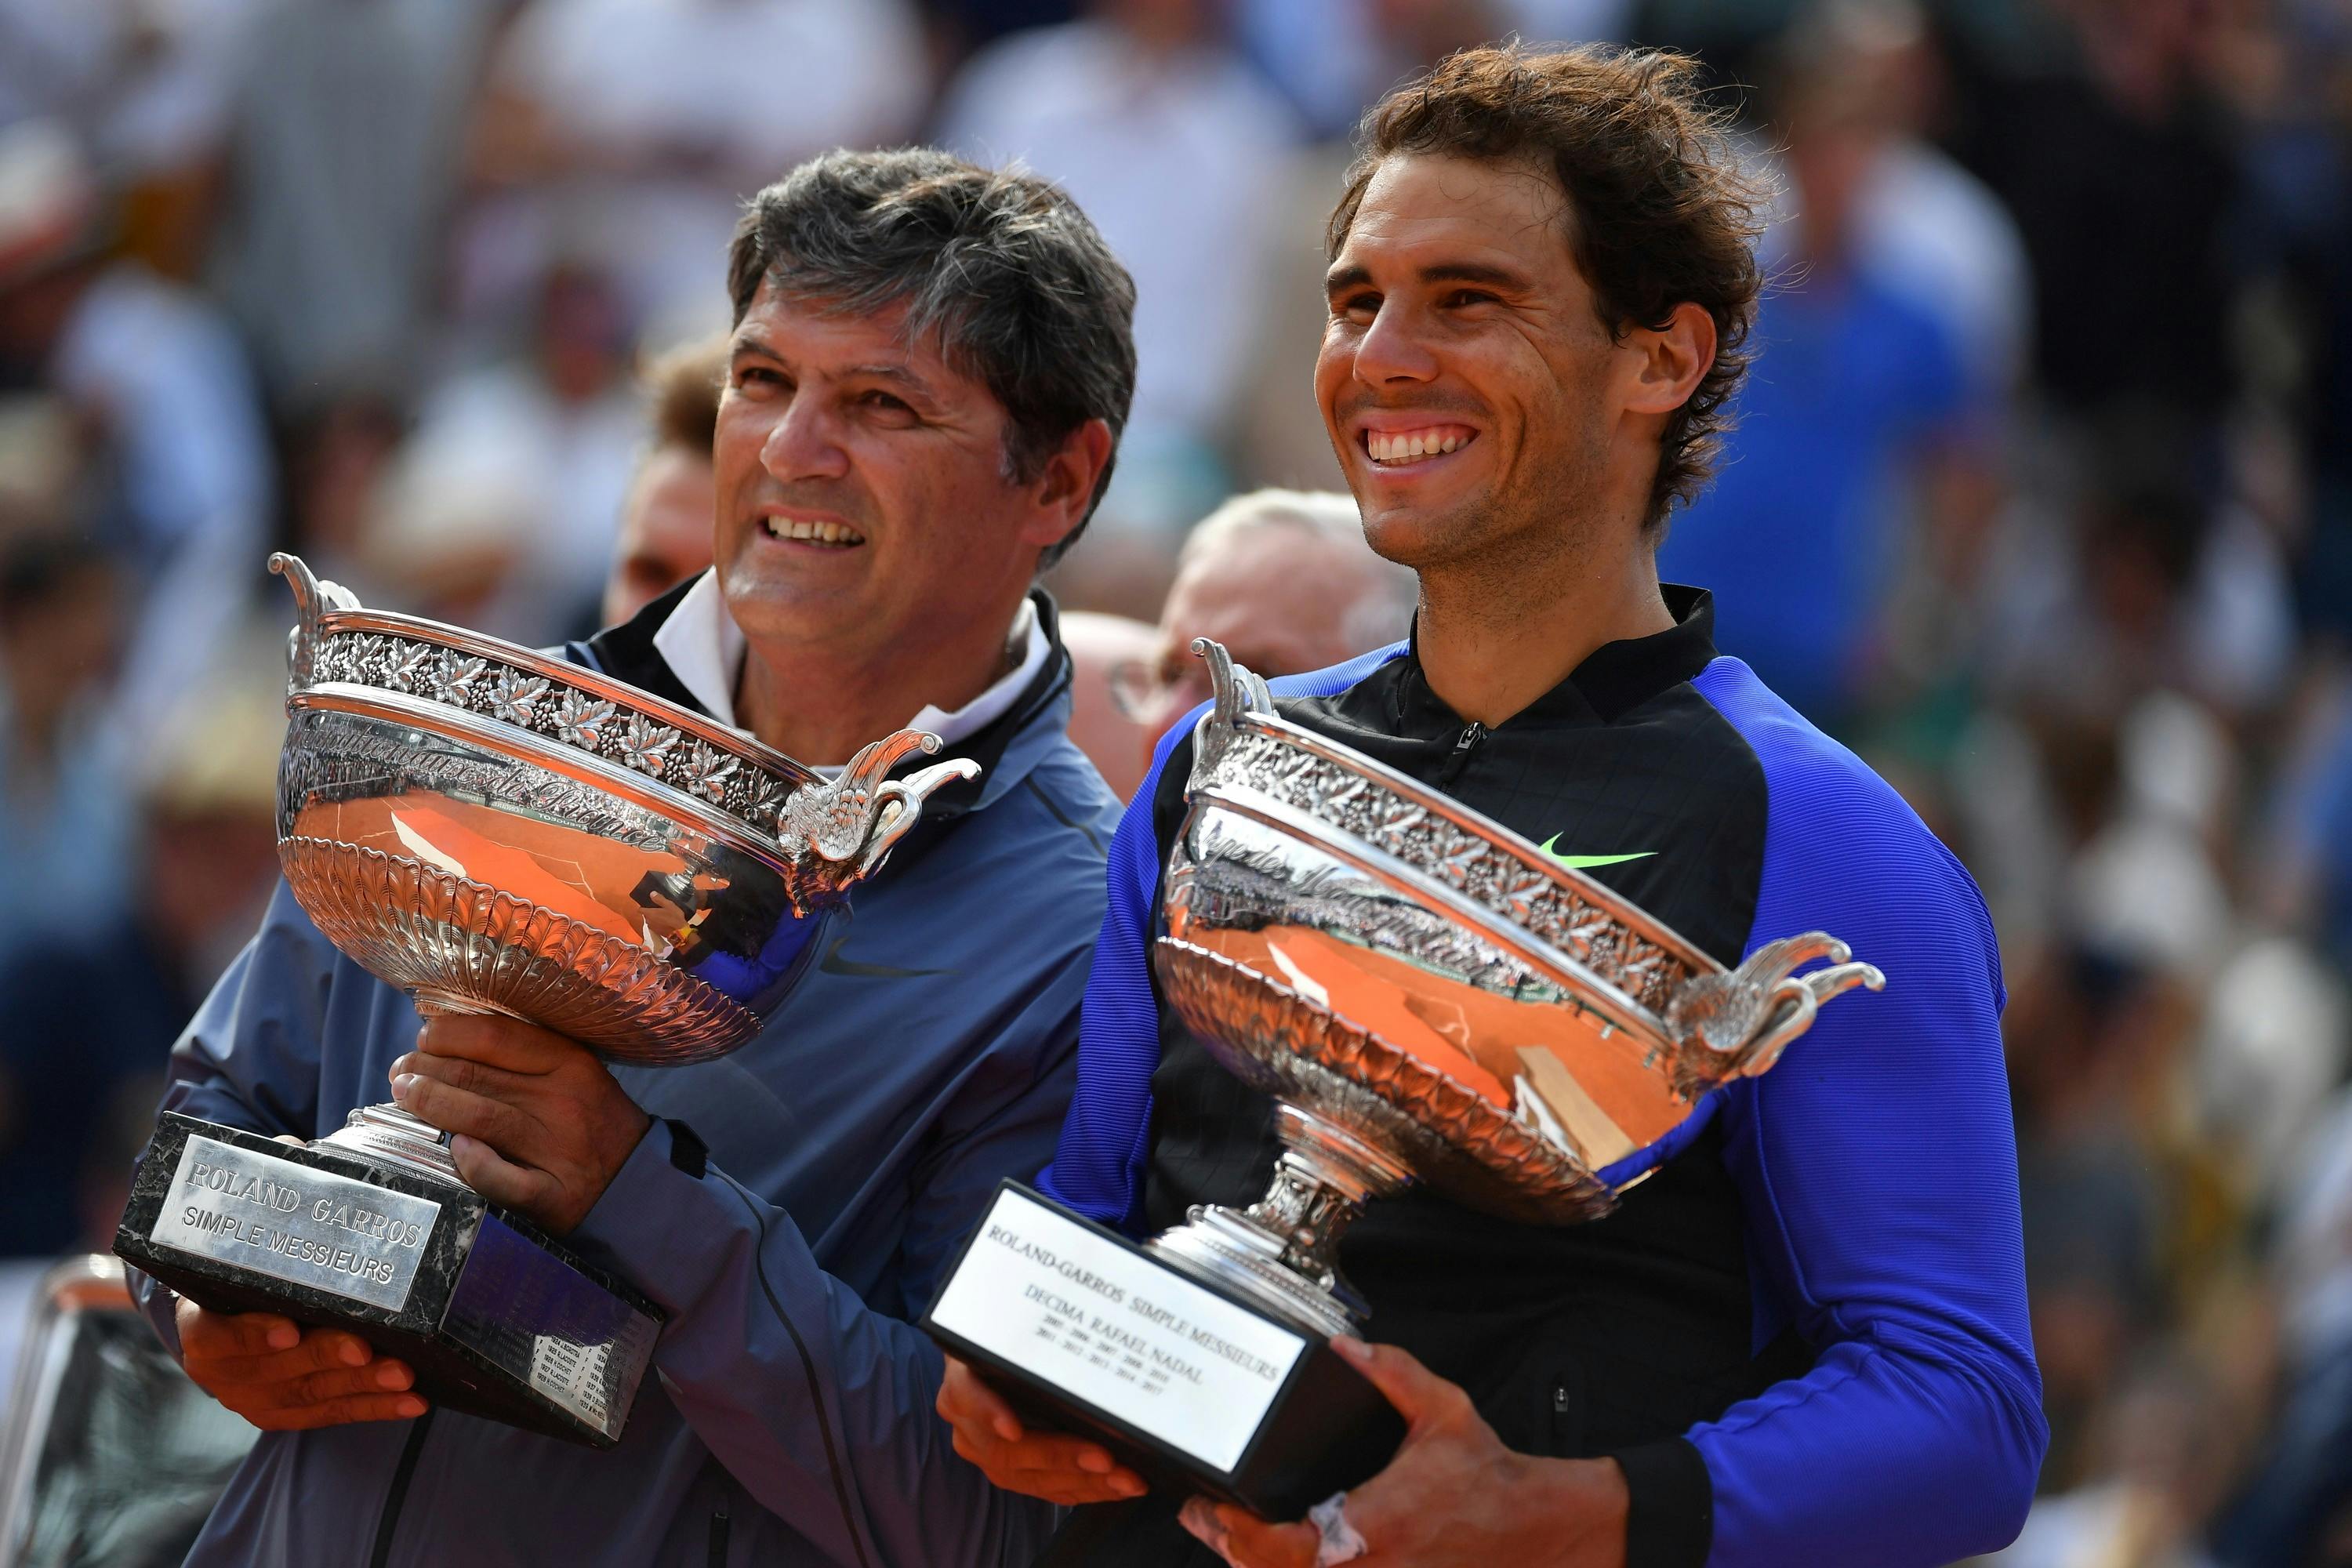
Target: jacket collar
column 1006, row 748
column 1615, row 679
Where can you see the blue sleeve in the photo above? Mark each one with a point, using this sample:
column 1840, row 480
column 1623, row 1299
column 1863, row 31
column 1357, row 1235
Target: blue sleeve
column 819, row 1406
column 1878, row 1168
column 1097, row 1167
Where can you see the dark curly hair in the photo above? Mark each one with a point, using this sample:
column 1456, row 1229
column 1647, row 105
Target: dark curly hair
column 1659, row 210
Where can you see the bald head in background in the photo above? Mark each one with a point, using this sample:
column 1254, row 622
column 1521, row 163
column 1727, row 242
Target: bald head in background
column 1285, row 580
column 667, row 519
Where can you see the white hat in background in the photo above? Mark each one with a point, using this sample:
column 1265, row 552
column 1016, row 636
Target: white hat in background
column 49, row 199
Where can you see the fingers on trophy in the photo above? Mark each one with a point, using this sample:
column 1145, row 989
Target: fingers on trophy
column 491, row 829
column 1428, row 997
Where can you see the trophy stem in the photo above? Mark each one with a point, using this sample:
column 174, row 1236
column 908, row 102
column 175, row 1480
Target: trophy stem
column 387, row 1135
column 1283, row 1251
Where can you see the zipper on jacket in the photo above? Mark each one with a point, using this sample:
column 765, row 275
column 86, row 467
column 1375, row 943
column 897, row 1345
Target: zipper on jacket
column 397, row 1493
column 721, row 1526
column 1450, row 769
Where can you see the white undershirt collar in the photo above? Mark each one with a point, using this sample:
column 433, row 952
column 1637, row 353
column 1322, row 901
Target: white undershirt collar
column 704, row 648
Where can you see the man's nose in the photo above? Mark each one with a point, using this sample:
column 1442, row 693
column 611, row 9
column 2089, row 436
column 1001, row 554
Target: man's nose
column 1392, row 351
column 804, row 444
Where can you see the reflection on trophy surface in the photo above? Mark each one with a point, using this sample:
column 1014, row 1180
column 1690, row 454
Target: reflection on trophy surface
column 1429, row 997
column 496, row 830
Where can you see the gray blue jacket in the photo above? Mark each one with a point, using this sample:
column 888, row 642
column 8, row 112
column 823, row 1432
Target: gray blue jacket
column 928, row 1053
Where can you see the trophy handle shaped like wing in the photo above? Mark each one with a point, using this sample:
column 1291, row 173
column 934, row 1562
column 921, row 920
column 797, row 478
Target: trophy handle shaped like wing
column 1236, row 690
column 853, row 820
column 313, row 597
column 900, row 805
column 1735, row 1025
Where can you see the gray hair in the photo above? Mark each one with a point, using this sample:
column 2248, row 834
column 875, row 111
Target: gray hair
column 999, row 267
column 1382, row 615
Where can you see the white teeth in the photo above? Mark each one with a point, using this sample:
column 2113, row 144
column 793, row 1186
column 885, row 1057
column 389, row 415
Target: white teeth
column 817, row 532
column 1405, row 447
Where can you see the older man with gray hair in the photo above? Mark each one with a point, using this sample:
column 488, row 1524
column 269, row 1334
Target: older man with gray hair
column 929, row 368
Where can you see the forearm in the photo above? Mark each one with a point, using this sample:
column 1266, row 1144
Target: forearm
column 819, row 1406
column 1886, row 1454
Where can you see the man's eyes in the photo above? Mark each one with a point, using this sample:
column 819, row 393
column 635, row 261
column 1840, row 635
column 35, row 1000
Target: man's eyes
column 766, row 378
column 1362, row 308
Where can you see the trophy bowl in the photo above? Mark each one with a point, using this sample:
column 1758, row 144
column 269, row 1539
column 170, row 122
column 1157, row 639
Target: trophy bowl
column 496, row 831
column 1431, row 997
column 1428, row 997
column 493, row 829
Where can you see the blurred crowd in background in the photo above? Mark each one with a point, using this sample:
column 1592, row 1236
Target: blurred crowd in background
column 2041, row 498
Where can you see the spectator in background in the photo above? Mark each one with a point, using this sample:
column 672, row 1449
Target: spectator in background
column 628, row 130
column 2299, row 1508
column 163, row 379
column 1285, row 580
column 65, row 857
column 1923, row 225
column 90, row 1007
column 1146, row 114
column 144, row 85
column 344, row 124
column 1802, row 534
column 1330, row 57
column 2149, row 574
column 2160, row 1455
column 2116, row 163
column 667, row 520
column 511, row 485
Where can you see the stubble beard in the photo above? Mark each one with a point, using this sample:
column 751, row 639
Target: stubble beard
column 1500, row 553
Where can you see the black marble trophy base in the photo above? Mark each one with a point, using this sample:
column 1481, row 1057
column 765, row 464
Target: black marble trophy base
column 1193, row 1386
column 496, row 1320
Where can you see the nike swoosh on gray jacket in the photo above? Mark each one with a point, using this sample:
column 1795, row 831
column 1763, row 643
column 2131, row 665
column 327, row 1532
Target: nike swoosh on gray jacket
column 852, row 1144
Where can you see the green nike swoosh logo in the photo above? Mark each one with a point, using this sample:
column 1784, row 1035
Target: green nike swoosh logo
column 1587, row 862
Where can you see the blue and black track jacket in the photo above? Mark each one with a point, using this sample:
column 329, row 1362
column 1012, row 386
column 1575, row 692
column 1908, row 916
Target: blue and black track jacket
column 1804, row 1338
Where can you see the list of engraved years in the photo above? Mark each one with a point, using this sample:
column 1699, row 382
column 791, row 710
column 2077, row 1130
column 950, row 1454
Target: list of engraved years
column 1118, row 1330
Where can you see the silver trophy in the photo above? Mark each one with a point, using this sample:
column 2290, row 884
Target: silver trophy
column 495, row 830
column 1429, row 997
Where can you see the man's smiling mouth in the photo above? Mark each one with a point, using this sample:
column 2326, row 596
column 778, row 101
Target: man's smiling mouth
column 1393, row 448
column 811, row 530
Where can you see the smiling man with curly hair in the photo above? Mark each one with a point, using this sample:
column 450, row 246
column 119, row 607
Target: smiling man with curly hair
column 1802, row 1339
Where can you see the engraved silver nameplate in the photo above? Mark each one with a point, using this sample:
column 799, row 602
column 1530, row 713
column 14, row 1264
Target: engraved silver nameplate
column 296, row 1223
column 1118, row 1330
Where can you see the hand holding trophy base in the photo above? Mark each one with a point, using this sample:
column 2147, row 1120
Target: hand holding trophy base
column 1318, row 910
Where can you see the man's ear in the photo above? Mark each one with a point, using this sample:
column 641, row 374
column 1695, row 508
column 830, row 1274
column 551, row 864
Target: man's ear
column 1671, row 361
column 1066, row 489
